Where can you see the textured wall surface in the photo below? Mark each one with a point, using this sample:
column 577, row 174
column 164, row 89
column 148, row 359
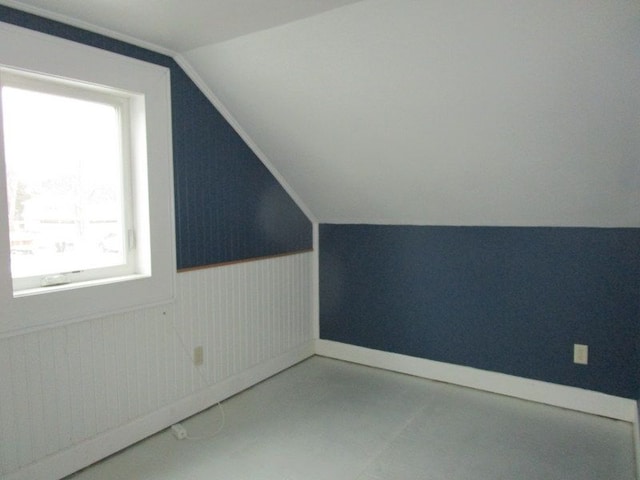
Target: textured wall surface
column 511, row 300
column 62, row 386
column 228, row 205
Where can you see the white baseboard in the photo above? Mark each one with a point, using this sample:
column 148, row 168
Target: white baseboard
column 80, row 456
column 636, row 441
column 572, row 398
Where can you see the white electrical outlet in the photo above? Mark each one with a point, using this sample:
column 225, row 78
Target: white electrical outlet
column 581, row 354
column 198, row 356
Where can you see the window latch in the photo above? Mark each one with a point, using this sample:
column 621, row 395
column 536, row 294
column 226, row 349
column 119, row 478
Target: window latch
column 53, row 280
column 131, row 239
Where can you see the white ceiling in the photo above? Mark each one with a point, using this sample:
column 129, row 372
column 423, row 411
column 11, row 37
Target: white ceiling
column 180, row 25
column 442, row 112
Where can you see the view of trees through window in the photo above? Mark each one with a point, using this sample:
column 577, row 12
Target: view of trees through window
column 64, row 169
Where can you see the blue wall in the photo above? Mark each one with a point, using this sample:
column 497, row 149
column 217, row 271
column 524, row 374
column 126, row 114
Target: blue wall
column 228, row 205
column 510, row 300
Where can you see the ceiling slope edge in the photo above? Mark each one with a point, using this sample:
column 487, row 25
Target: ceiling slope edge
column 228, row 116
column 403, row 222
column 191, row 73
column 90, row 27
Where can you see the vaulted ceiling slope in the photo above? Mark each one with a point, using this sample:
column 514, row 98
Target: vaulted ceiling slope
column 434, row 112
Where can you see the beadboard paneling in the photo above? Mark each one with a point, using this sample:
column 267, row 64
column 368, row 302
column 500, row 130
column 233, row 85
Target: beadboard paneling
column 60, row 387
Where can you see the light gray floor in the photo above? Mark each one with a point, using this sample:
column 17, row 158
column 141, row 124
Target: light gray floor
column 325, row 419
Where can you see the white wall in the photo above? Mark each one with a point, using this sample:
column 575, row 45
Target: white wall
column 495, row 112
column 75, row 393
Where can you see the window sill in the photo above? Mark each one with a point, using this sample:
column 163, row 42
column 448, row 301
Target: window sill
column 76, row 285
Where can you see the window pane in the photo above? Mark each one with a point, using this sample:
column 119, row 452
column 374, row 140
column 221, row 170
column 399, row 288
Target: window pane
column 64, row 178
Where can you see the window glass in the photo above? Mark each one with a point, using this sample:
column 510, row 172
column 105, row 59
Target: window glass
column 64, row 172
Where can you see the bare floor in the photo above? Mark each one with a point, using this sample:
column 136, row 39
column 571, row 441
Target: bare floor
column 326, row 419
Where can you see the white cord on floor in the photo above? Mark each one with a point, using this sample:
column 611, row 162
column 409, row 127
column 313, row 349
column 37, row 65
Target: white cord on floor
column 187, row 352
column 217, row 431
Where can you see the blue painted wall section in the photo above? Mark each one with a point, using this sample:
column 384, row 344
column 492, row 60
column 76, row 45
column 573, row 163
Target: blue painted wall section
column 510, row 300
column 228, row 205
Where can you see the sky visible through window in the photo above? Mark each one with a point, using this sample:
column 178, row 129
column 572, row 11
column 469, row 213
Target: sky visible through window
column 64, row 177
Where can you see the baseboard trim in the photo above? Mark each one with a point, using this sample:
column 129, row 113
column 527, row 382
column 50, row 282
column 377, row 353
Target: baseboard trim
column 572, row 398
column 636, row 440
column 80, row 456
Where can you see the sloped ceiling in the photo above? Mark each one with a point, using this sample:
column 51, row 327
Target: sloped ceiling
column 435, row 112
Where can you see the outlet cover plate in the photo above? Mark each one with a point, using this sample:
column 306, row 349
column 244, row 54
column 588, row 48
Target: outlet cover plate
column 198, row 356
column 581, row 354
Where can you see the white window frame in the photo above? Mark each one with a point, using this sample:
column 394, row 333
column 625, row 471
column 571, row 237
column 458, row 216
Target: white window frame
column 153, row 280
column 121, row 102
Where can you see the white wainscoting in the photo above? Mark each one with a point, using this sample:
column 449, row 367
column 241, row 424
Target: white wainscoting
column 72, row 394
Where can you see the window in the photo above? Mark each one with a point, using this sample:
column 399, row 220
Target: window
column 86, row 204
column 67, row 163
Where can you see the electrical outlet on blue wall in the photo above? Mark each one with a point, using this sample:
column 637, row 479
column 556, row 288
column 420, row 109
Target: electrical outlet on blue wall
column 506, row 299
column 581, row 354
